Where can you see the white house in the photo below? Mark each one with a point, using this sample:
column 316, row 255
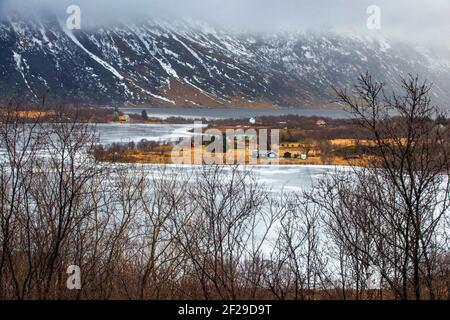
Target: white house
column 321, row 123
column 271, row 155
column 264, row 154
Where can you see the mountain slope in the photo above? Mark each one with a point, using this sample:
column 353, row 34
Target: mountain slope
column 190, row 64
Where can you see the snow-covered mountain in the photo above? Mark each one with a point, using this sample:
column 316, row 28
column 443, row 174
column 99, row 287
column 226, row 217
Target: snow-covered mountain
column 191, row 64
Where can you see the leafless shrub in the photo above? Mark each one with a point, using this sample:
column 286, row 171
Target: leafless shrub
column 391, row 215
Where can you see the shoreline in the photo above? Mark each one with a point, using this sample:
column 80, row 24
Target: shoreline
column 243, row 166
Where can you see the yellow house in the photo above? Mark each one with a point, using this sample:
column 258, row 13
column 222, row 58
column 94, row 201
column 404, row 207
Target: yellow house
column 124, row 118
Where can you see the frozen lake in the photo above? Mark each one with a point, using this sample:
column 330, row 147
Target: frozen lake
column 118, row 132
column 275, row 178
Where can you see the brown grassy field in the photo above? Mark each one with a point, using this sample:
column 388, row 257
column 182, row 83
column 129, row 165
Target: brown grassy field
column 163, row 155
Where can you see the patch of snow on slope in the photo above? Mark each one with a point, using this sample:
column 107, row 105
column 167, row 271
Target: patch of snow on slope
column 152, row 94
column 18, row 60
column 103, row 63
column 203, row 91
column 193, row 53
column 437, row 64
column 167, row 67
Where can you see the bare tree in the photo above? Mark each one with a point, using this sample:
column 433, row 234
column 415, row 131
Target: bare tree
column 390, row 215
column 217, row 231
column 295, row 262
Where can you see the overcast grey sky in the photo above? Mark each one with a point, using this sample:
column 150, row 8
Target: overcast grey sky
column 424, row 20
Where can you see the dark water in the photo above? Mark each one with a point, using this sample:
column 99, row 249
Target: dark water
column 227, row 113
